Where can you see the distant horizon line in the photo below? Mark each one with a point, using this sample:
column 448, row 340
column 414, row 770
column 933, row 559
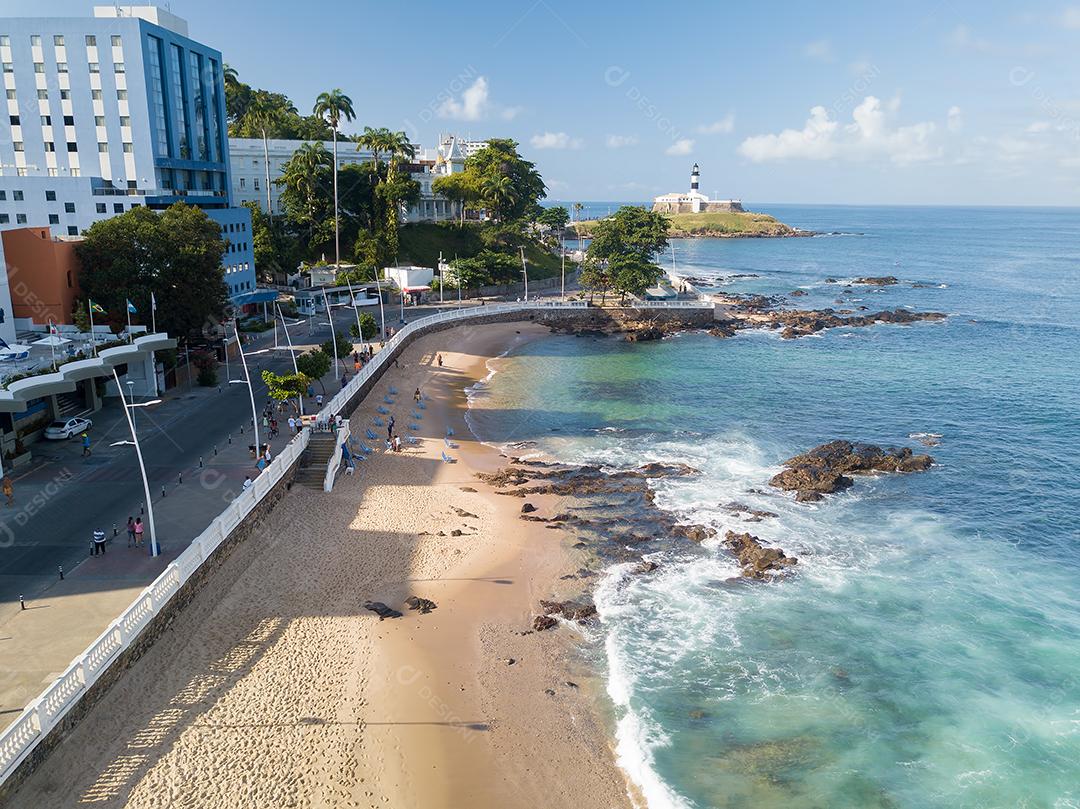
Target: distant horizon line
column 1034, row 206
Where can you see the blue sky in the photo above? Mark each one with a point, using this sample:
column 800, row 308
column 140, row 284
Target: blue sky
column 921, row 103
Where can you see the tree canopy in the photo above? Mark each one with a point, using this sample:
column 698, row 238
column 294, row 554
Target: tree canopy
column 510, row 186
column 175, row 254
column 621, row 254
column 253, row 113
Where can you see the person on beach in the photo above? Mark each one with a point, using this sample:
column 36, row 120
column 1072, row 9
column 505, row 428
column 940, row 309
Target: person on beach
column 416, row 396
column 131, row 531
column 139, row 528
column 397, row 443
column 85, row 445
column 356, row 366
column 438, row 359
column 356, row 357
column 266, row 455
column 9, row 491
column 390, row 429
column 97, row 544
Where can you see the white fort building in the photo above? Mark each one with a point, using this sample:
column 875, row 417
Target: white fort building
column 693, row 201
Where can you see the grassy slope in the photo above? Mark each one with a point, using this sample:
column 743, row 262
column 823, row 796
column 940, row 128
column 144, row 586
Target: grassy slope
column 720, row 224
column 420, row 244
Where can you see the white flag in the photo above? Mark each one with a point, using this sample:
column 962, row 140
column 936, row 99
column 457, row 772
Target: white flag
column 153, row 302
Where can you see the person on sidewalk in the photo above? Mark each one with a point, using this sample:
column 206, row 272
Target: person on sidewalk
column 9, row 491
column 344, row 380
column 292, row 425
column 97, row 545
column 131, row 531
column 85, row 445
column 247, row 482
column 139, row 528
column 318, row 401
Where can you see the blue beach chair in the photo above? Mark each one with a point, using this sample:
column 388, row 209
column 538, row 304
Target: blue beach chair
column 449, row 431
column 364, row 448
column 416, row 415
column 388, row 400
column 371, row 436
column 378, row 422
column 414, row 426
column 449, row 444
column 421, row 405
column 393, row 391
column 382, row 410
column 446, row 458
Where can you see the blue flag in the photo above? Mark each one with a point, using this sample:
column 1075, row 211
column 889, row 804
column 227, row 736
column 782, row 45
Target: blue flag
column 131, row 307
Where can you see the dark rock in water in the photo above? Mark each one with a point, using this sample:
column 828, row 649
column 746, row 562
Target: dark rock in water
column 801, row 322
column 528, row 508
column 724, row 328
column 695, row 533
column 571, row 610
column 644, row 335
column 697, row 715
column 877, row 281
column 667, row 470
column 424, row 605
column 758, row 562
column 381, row 610
column 542, row 622
column 824, row 469
column 644, row 566
column 741, row 508
column 831, row 281
column 797, row 293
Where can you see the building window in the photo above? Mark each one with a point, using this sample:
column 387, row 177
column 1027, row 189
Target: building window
column 3, row 196
column 132, row 185
column 15, row 120
column 102, row 207
column 5, row 40
column 35, row 39
column 39, row 67
column 118, row 207
column 43, row 95
column 50, row 146
column 69, row 207
column 243, row 183
column 76, row 172
column 18, row 146
column 46, row 120
column 69, row 120
column 256, row 183
column 179, row 106
column 129, row 148
column 99, row 120
column 95, row 67
column 73, row 147
column 121, row 95
column 96, row 95
column 53, row 172
column 118, row 67
column 103, row 148
column 54, row 219
column 11, row 95
column 91, row 41
column 116, row 43
column 73, row 230
column 4, row 219
column 50, row 196
column 65, row 95
column 61, row 67
column 17, row 196
column 125, row 120
column 20, row 219
column 196, row 70
column 58, row 41
column 8, row 67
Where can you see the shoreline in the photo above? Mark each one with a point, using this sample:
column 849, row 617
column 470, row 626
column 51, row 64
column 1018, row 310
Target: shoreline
column 277, row 687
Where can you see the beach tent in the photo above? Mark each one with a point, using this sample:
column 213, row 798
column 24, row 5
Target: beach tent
column 53, row 340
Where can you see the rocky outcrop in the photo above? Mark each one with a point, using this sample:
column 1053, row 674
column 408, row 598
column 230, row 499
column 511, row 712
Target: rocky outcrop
column 423, row 605
column 382, row 610
column 542, row 622
column 825, row 469
column 570, row 610
column 757, row 560
column 877, row 281
column 801, row 322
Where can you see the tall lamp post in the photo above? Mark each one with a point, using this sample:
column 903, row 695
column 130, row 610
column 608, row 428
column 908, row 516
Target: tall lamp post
column 356, row 311
column 333, row 334
column 525, row 272
column 288, row 339
column 155, row 550
column 251, row 391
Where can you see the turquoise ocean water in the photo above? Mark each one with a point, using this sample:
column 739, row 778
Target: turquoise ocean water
column 927, row 652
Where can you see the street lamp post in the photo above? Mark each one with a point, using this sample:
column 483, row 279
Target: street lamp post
column 288, row 339
column 155, row 550
column 251, row 392
column 356, row 311
column 333, row 334
column 525, row 272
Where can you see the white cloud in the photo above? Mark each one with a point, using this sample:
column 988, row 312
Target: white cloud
column 954, row 119
column 721, row 127
column 1070, row 18
column 683, row 146
column 555, row 140
column 619, row 141
column 475, row 104
column 1038, row 127
column 870, row 135
column 821, row 50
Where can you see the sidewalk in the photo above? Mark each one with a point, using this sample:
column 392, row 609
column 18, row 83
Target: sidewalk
column 38, row 643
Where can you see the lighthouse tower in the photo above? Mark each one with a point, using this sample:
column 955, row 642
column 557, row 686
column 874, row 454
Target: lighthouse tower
column 695, row 176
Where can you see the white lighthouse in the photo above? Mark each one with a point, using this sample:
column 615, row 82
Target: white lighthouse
column 693, row 201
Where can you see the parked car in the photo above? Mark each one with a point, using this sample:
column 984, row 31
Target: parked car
column 59, row 430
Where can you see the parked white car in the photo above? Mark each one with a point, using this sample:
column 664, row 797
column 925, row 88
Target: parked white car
column 60, row 430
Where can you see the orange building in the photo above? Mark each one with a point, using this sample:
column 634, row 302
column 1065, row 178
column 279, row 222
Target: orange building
column 43, row 274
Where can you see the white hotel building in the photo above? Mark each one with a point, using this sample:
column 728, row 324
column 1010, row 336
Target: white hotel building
column 249, row 171
column 106, row 113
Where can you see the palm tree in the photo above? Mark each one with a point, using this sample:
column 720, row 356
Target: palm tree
column 500, row 191
column 379, row 141
column 264, row 112
column 304, row 175
column 399, row 148
column 333, row 106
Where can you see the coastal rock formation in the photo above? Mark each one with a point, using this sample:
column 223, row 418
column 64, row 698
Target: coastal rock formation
column 382, row 610
column 742, row 508
column 758, row 561
column 801, row 322
column 877, row 281
column 825, row 469
column 542, row 622
column 423, row 605
column 695, row 533
column 570, row 610
column 797, row 293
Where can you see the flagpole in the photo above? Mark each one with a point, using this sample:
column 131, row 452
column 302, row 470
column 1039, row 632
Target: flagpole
column 356, row 311
column 90, row 308
column 127, row 307
column 153, row 312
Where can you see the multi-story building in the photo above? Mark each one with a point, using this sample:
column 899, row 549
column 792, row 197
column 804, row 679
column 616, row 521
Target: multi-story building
column 111, row 112
column 248, row 159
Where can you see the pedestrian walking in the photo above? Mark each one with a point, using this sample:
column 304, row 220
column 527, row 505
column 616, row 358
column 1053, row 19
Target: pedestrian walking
column 416, row 396
column 356, row 366
column 356, row 357
column 273, row 428
column 85, row 445
column 292, row 425
column 390, row 429
column 344, row 380
column 9, row 491
column 97, row 544
column 247, row 482
column 139, row 528
column 439, row 359
column 131, row 531
column 318, row 400
column 266, row 455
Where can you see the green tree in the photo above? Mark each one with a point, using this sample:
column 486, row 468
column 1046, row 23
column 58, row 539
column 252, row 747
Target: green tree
column 265, row 112
column 333, row 106
column 282, row 387
column 459, row 188
column 314, row 364
column 175, row 254
column 344, row 346
column 632, row 230
column 276, row 249
column 630, row 274
column 596, row 277
column 524, row 187
column 368, row 327
column 306, row 198
column 207, row 366
column 556, row 218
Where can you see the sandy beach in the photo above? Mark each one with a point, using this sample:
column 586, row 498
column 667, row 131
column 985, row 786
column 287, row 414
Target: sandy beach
column 277, row 688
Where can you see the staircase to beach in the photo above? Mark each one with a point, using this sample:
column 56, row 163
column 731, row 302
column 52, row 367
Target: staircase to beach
column 312, row 470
